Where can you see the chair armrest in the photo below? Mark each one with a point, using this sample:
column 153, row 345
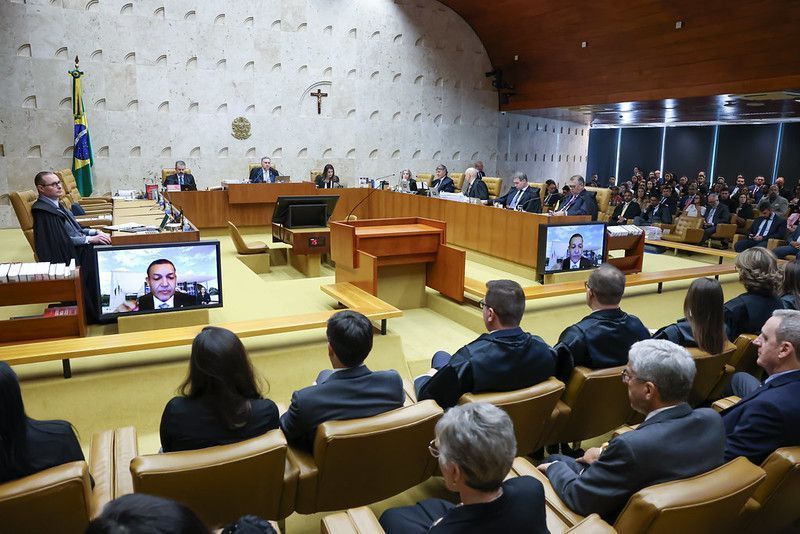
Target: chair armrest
column 693, row 235
column 411, row 395
column 353, row 521
column 724, row 404
column 773, row 243
column 624, row 428
column 592, row 525
column 725, row 231
column 101, row 466
column 307, row 473
column 554, row 503
column 291, row 474
column 125, row 449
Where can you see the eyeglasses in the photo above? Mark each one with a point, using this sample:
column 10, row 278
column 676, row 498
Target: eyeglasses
column 52, row 184
column 433, row 449
column 627, row 376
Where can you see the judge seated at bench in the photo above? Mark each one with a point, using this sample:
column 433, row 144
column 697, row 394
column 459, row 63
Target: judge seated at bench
column 521, row 197
column 328, row 178
column 264, row 174
column 181, row 178
column 162, row 280
column 579, row 201
column 474, row 186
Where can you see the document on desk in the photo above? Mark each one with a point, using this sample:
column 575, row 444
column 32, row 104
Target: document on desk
column 124, row 226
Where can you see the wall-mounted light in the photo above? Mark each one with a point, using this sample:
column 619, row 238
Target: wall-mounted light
column 679, row 25
column 584, row 44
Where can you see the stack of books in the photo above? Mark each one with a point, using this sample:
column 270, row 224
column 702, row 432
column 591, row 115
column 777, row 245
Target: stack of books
column 43, row 270
column 623, row 230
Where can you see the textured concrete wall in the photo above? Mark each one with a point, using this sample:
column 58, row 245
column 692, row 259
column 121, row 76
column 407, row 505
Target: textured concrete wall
column 165, row 79
column 542, row 148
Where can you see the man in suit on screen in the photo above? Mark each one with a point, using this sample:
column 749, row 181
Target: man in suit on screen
column 574, row 259
column 162, row 281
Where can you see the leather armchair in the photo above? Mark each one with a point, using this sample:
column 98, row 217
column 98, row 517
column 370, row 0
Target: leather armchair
column 22, row 201
column 723, row 404
column 602, row 197
column 710, row 370
column 71, row 188
column 710, row 502
column 388, row 453
column 425, row 177
column 458, row 180
column 773, row 507
column 313, row 173
column 686, row 230
column 724, row 232
column 743, row 359
column 242, row 246
column 493, row 184
column 168, row 172
column 542, row 194
column 60, row 499
column 529, row 408
column 594, row 402
column 219, row 483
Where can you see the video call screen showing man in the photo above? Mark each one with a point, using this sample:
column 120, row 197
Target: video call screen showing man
column 146, row 278
column 573, row 247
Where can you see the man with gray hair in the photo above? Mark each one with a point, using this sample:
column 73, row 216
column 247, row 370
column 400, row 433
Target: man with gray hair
column 265, row 174
column 716, row 213
column 475, row 447
column 181, row 178
column 672, row 443
column 768, row 416
column 474, row 186
column 581, row 201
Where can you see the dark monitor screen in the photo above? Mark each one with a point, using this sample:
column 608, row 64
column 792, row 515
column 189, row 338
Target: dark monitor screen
column 162, row 277
column 301, row 215
column 571, row 246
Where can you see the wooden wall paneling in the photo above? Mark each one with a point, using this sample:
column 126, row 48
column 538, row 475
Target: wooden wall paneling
column 446, row 274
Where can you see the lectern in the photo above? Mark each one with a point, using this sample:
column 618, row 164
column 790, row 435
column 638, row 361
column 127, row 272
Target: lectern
column 394, row 259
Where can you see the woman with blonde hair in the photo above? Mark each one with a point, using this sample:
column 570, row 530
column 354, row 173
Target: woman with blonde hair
column 406, row 183
column 759, row 274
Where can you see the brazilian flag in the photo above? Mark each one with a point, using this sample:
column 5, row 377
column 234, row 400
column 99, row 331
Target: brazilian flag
column 82, row 159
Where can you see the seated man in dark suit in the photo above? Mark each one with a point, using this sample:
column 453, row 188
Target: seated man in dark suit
column 442, row 182
column 673, row 442
column 264, row 174
column 580, row 201
column 768, row 416
column 474, row 186
column 716, row 213
column 521, row 196
column 793, row 246
column 186, row 181
column 656, row 212
column 505, row 359
column 602, row 338
column 626, row 211
column 768, row 226
column 162, row 280
column 349, row 391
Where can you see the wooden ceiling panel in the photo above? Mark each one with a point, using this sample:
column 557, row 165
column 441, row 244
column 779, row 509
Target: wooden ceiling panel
column 634, row 51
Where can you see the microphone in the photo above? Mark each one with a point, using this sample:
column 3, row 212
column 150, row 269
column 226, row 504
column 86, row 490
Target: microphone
column 366, row 197
column 523, row 205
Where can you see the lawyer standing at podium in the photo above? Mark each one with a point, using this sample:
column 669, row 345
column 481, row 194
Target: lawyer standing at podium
column 264, row 174
column 328, row 178
column 181, row 178
column 521, row 197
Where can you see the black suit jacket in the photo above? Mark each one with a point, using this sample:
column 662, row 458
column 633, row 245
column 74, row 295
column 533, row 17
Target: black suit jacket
column 748, row 312
column 445, row 185
column 501, row 361
column 188, row 181
column 257, row 176
column 776, row 231
column 674, row 444
column 585, row 204
column 632, row 211
column 584, row 263
column 49, row 443
column 320, row 182
column 765, row 420
column 180, row 300
column 721, row 216
column 347, row 394
column 530, row 200
column 477, row 189
column 600, row 340
column 552, row 199
column 51, row 241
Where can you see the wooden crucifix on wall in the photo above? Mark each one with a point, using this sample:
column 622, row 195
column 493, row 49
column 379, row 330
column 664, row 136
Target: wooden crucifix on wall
column 319, row 95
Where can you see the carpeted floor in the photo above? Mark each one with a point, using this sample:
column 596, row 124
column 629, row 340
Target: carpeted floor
column 131, row 389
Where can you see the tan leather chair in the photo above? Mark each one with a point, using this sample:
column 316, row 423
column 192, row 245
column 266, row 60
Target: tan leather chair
column 602, row 197
column 168, row 172
column 314, row 173
column 219, row 483
column 529, row 408
column 710, row 502
column 361, row 461
column 252, row 166
column 542, row 191
column 594, row 402
column 743, row 359
column 458, row 180
column 22, row 201
column 710, row 370
column 493, row 184
column 60, row 499
column 243, row 247
column 88, row 203
column 774, row 505
column 425, row 177
column 725, row 232
column 685, row 230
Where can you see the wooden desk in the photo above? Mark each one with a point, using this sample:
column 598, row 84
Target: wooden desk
column 148, row 213
column 360, row 248
column 308, row 246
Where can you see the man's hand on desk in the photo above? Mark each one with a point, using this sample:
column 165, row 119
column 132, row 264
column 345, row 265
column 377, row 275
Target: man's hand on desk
column 100, row 239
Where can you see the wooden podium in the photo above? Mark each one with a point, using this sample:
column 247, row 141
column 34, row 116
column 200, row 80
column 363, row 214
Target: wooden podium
column 385, row 256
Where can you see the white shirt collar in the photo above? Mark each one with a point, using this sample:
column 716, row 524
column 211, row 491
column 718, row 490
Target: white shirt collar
column 157, row 304
column 658, row 411
column 52, row 201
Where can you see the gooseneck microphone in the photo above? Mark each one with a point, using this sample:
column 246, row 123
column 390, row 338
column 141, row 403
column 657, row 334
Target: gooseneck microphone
column 366, row 197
